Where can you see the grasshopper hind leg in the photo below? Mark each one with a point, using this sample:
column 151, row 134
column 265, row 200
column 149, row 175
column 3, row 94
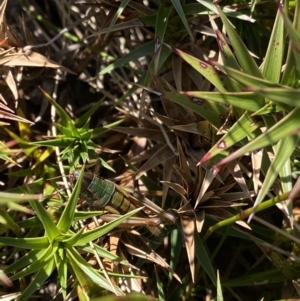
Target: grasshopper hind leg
column 153, row 234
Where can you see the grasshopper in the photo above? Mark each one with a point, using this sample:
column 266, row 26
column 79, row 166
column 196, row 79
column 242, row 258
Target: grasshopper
column 105, row 194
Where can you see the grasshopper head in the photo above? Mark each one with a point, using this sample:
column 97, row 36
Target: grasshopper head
column 87, row 179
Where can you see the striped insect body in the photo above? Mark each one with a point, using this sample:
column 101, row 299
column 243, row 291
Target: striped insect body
column 104, row 194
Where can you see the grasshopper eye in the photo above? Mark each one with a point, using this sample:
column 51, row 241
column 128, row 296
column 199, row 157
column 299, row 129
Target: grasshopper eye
column 76, row 174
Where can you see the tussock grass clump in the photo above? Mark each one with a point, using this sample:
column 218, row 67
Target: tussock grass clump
column 187, row 111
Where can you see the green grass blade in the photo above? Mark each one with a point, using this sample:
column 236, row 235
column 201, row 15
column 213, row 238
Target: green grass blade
column 161, row 26
column 272, row 64
column 246, row 61
column 80, row 121
column 65, row 118
column 208, row 110
column 41, row 276
column 281, row 95
column 241, row 129
column 45, row 257
column 60, row 141
column 159, row 284
column 62, row 269
column 121, row 8
column 87, row 275
column 162, row 22
column 226, row 10
column 289, row 70
column 246, row 79
column 287, row 126
column 74, row 238
column 26, row 243
column 204, row 259
column 283, row 151
column 144, row 50
column 129, row 297
column 293, row 35
column 178, row 7
column 219, row 288
column 102, row 230
column 246, row 213
column 46, row 219
column 6, row 197
column 67, row 216
column 208, row 71
column 104, row 253
column 28, row 258
column 243, row 100
column 176, row 242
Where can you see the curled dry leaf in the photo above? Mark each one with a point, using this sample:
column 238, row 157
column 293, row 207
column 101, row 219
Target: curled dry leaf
column 29, row 59
column 12, row 54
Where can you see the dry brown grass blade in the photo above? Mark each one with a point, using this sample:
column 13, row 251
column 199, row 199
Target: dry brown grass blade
column 167, row 135
column 110, row 142
column 207, row 196
column 177, row 72
column 222, row 190
column 132, row 285
column 227, row 123
column 236, row 196
column 256, row 159
column 200, row 217
column 120, row 26
column 202, row 128
column 221, row 213
column 163, row 154
column 244, row 225
column 5, row 280
column 209, row 176
column 10, row 81
column 173, row 110
column 196, row 155
column 145, row 155
column 142, row 8
column 188, row 228
column 4, row 106
column 237, row 174
column 177, row 188
column 114, row 239
column 167, row 121
column 215, row 203
column 200, row 174
column 184, row 168
column 167, row 175
column 5, row 34
column 218, row 212
column 143, row 251
column 14, row 56
column 29, row 37
column 10, row 58
column 186, row 177
column 11, row 116
column 152, row 134
column 2, row 10
column 140, row 143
